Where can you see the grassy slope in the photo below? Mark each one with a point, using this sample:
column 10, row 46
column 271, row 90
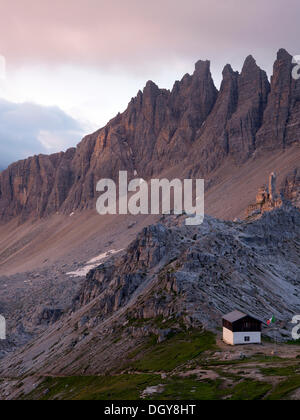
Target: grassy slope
column 177, row 358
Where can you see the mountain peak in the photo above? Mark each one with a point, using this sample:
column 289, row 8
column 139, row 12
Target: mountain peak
column 151, row 84
column 228, row 71
column 283, row 55
column 250, row 64
column 202, row 68
column 151, row 87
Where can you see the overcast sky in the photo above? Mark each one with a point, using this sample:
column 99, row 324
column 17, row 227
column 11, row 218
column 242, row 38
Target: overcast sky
column 80, row 61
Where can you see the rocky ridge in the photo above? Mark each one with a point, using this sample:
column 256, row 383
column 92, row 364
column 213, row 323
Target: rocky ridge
column 193, row 127
column 173, row 277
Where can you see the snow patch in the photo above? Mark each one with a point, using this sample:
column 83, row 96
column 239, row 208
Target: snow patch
column 103, row 256
column 93, row 263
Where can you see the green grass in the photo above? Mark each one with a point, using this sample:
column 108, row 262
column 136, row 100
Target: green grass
column 283, row 389
column 255, row 358
column 130, row 387
column 280, row 371
column 177, row 350
column 122, row 387
column 182, row 350
column 190, row 389
column 162, row 323
column 249, row 390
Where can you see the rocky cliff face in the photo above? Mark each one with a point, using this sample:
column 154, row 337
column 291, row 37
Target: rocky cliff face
column 230, row 129
column 281, row 120
column 193, row 123
column 253, row 90
column 117, row 280
column 36, row 186
column 291, row 187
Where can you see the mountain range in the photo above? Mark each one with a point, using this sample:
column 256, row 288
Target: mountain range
column 193, row 129
column 88, row 296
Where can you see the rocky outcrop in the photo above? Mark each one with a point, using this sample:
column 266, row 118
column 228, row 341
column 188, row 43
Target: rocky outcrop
column 270, row 198
column 193, row 123
column 267, row 199
column 48, row 316
column 116, row 283
column 171, row 270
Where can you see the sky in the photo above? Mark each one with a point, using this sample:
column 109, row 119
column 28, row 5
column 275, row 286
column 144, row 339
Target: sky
column 68, row 67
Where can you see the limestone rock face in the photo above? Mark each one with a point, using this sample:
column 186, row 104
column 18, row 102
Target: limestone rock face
column 193, row 124
column 36, row 186
column 253, row 91
column 290, row 188
column 231, row 127
column 281, row 122
column 212, row 139
column 191, row 101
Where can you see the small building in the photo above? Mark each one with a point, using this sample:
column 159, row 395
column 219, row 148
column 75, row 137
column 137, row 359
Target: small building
column 240, row 328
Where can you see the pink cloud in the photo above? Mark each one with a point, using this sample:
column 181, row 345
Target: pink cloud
column 138, row 32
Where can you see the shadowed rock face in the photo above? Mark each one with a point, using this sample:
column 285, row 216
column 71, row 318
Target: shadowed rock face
column 236, row 117
column 291, row 187
column 281, row 122
column 253, row 90
column 212, row 139
column 193, row 123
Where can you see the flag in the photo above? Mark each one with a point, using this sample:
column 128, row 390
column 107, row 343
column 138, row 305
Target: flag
column 271, row 320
